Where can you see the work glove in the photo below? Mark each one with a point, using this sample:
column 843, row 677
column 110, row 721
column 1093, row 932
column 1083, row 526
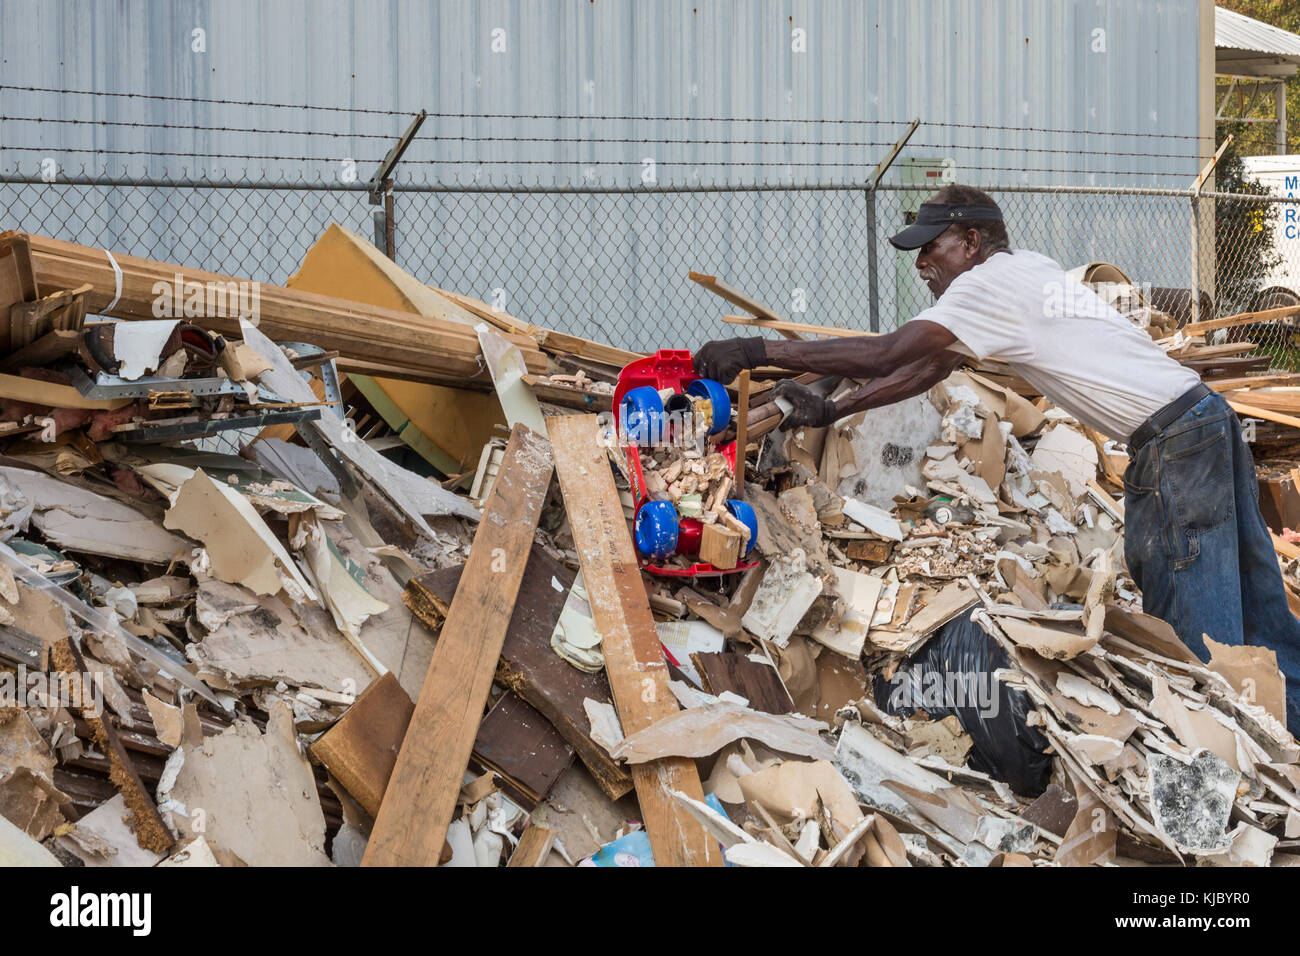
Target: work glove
column 810, row 409
column 724, row 359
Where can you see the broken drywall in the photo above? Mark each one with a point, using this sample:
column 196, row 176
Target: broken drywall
column 253, row 794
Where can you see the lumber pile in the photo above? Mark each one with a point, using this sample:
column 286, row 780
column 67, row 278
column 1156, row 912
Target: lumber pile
column 371, row 338
column 250, row 591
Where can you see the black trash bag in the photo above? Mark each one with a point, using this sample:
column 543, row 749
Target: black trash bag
column 953, row 674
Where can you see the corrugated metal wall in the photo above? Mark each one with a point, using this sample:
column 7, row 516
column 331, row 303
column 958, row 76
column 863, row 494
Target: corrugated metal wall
column 1019, row 63
column 1101, row 70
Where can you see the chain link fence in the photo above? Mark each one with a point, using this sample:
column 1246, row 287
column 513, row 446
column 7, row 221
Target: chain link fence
column 611, row 264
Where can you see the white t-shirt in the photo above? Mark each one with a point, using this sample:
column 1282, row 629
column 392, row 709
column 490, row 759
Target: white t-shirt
column 1059, row 336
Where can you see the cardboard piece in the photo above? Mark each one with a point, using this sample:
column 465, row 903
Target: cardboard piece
column 1253, row 672
column 1049, row 642
column 702, row 731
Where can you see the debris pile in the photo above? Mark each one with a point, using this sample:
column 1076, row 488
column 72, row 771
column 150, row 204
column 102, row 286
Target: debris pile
column 352, row 576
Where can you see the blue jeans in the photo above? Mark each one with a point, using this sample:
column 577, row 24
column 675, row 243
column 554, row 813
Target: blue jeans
column 1198, row 547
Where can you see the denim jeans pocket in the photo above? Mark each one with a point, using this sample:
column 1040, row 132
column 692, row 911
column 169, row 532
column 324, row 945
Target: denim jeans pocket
column 1141, row 476
column 1196, row 464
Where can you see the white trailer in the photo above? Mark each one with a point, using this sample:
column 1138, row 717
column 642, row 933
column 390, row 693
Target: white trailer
column 1280, row 175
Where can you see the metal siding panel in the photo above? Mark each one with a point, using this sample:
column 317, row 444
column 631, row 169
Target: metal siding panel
column 957, row 61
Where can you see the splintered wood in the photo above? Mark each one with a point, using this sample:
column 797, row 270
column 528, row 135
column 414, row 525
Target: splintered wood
column 421, row 798
column 638, row 674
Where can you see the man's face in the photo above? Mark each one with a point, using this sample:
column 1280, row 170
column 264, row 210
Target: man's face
column 945, row 258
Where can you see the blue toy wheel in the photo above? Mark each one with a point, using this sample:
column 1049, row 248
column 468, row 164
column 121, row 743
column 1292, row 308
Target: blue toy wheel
column 641, row 413
column 718, row 397
column 655, row 529
column 743, row 512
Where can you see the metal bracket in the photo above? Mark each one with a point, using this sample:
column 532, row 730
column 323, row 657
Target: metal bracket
column 329, row 374
column 873, row 292
column 385, row 170
column 883, row 166
column 105, row 385
column 200, row 428
column 1208, row 168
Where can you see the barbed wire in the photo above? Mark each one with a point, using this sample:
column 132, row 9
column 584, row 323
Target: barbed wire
column 597, row 117
column 597, row 140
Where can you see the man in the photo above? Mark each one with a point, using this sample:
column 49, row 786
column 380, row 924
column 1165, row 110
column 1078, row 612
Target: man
column 1194, row 539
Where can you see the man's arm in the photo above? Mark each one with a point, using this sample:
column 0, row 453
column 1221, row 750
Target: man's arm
column 865, row 356
column 856, row 357
column 912, row 379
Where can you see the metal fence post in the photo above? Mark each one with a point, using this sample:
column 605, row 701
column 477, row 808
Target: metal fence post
column 1195, row 291
column 873, row 291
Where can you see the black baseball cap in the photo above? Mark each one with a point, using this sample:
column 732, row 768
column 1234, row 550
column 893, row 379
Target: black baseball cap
column 934, row 217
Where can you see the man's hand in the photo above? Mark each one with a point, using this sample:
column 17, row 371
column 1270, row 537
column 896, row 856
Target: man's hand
column 724, row 359
column 810, row 409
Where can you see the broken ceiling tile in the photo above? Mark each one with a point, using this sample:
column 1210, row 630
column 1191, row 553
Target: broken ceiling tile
column 785, row 594
column 874, row 519
column 73, row 518
column 1072, row 455
column 240, row 547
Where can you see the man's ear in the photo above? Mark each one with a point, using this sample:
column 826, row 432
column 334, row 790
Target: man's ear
column 972, row 242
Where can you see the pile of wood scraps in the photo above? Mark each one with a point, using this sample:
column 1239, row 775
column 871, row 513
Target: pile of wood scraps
column 351, row 579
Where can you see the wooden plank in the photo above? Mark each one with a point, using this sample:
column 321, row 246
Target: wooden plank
column 534, row 846
column 528, row 665
column 1241, row 318
column 634, row 661
column 361, row 749
column 502, row 320
column 53, row 344
column 151, row 832
column 1226, row 367
column 1213, row 351
column 416, row 810
column 547, row 338
column 742, row 432
column 796, row 327
column 1254, row 411
column 1254, row 381
column 1284, row 547
column 583, row 399
column 17, row 282
column 760, row 684
column 562, row 342
column 762, row 314
column 522, row 747
column 1274, row 401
